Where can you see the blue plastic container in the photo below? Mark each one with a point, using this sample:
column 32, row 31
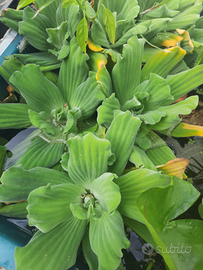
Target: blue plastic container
column 11, row 236
column 8, row 45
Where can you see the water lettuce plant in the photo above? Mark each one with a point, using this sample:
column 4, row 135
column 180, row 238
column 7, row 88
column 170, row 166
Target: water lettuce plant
column 102, row 86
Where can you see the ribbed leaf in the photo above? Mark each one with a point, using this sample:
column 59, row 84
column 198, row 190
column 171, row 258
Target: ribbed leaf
column 98, row 34
column 57, row 247
column 125, row 9
column 140, row 159
column 179, row 83
column 34, row 29
column 126, row 73
column 58, row 199
column 159, row 153
column 8, row 68
column 73, row 72
column 17, row 210
column 135, row 183
column 173, row 111
column 158, row 91
column 104, row 81
column 103, row 232
column 139, row 28
column 186, row 18
column 106, row 110
column 17, row 182
column 90, row 256
column 106, row 192
column 121, row 135
column 40, row 93
column 38, row 58
column 86, row 97
column 14, row 116
column 41, row 154
column 162, row 62
column 88, row 158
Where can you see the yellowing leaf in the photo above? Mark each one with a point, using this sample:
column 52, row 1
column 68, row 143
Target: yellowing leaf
column 97, row 61
column 166, row 39
column 93, row 46
column 187, row 130
column 186, row 43
column 175, row 167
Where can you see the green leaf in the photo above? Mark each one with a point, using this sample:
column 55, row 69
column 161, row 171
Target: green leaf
column 11, row 17
column 57, row 198
column 162, row 62
column 38, row 58
column 106, row 110
column 73, row 71
column 66, row 3
column 58, row 35
column 17, row 210
column 104, row 80
column 126, row 73
column 74, row 15
column 17, row 182
column 159, row 153
column 106, row 192
column 98, row 34
column 34, row 29
column 87, row 96
column 135, row 183
column 125, row 9
column 140, row 159
column 90, row 256
column 82, row 34
column 88, row 158
column 89, row 10
column 40, row 93
column 43, row 5
column 158, row 91
column 103, row 232
column 14, row 116
column 8, row 68
column 66, row 237
column 110, row 24
column 158, row 213
column 188, row 17
column 173, row 111
column 23, row 3
column 179, row 83
column 38, row 120
column 41, row 154
column 121, row 135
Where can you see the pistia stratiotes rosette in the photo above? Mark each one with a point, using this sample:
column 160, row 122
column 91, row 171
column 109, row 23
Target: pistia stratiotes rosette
column 148, row 93
column 57, row 110
column 82, row 208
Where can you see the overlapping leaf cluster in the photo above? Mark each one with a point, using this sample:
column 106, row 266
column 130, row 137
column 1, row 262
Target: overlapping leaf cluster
column 106, row 75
